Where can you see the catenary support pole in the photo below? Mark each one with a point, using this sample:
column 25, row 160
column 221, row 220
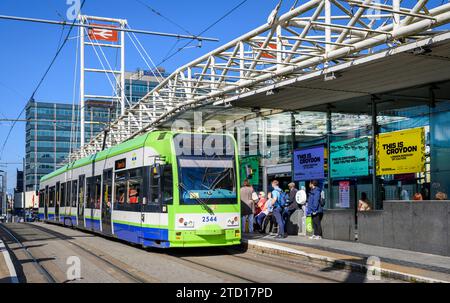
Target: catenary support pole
column 329, row 133
column 374, row 152
column 82, row 44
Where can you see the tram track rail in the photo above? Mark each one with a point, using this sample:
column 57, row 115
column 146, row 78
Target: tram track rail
column 40, row 267
column 287, row 266
column 282, row 264
column 99, row 255
column 211, row 268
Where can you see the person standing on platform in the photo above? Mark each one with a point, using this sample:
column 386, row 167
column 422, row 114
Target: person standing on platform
column 247, row 206
column 292, row 207
column 315, row 209
column 277, row 201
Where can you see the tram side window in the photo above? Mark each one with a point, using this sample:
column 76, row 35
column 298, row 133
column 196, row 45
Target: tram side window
column 51, row 201
column 90, row 193
column 98, row 190
column 74, row 193
column 58, row 201
column 167, row 185
column 107, row 183
column 46, row 196
column 154, row 187
column 63, row 195
column 68, row 193
column 81, row 191
column 120, row 190
column 41, row 198
column 134, row 186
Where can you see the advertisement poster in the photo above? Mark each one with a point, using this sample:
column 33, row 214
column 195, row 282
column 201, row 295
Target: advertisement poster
column 350, row 158
column 309, row 164
column 249, row 169
column 344, row 194
column 401, row 152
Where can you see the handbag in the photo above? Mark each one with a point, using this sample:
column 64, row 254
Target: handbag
column 309, row 224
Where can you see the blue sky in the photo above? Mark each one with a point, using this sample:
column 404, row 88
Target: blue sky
column 27, row 48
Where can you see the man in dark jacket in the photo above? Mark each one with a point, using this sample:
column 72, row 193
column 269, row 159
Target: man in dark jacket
column 315, row 209
column 292, row 207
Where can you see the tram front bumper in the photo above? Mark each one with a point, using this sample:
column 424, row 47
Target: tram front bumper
column 209, row 237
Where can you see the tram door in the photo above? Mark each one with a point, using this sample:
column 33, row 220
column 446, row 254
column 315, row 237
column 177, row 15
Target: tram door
column 46, row 203
column 151, row 204
column 57, row 201
column 106, row 201
column 80, row 203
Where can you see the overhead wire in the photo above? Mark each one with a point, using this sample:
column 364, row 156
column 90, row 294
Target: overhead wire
column 165, row 18
column 205, row 30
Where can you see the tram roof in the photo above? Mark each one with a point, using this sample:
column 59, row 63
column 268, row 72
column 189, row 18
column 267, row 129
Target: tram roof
column 107, row 153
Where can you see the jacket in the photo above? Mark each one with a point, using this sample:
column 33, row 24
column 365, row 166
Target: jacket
column 314, row 206
column 247, row 204
column 292, row 201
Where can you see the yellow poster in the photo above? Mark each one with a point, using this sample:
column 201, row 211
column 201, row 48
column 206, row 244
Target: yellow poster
column 401, row 152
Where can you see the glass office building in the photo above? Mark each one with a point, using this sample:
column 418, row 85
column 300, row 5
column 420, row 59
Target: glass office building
column 53, row 131
column 140, row 82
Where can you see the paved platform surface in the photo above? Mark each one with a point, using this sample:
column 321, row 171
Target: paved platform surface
column 415, row 265
column 7, row 272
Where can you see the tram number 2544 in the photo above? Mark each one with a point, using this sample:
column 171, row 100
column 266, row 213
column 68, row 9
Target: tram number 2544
column 207, row 219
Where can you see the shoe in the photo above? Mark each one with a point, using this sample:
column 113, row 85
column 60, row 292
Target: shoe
column 279, row 236
column 317, row 238
column 312, row 238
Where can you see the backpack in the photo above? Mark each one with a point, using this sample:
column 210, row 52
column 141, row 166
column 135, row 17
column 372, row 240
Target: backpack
column 283, row 198
column 322, row 200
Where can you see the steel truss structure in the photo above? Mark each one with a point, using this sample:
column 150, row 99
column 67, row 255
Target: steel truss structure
column 315, row 36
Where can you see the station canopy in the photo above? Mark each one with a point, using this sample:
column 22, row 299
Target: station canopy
column 397, row 78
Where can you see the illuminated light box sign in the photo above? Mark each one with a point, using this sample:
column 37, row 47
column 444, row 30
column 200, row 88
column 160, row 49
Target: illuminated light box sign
column 350, row 158
column 401, row 152
column 309, row 164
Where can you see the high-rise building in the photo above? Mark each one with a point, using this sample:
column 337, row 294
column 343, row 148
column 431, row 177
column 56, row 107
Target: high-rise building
column 140, row 82
column 3, row 193
column 19, row 182
column 53, row 131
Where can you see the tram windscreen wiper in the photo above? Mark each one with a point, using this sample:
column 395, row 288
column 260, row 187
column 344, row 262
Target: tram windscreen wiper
column 217, row 180
column 200, row 201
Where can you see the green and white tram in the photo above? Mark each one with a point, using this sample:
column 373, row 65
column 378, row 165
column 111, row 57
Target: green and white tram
column 162, row 189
